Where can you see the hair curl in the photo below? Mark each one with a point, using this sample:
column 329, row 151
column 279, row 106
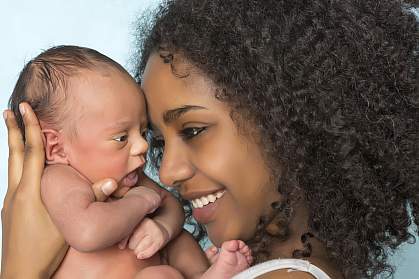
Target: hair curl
column 332, row 88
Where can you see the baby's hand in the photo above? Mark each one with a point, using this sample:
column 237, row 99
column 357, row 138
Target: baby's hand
column 148, row 238
column 149, row 196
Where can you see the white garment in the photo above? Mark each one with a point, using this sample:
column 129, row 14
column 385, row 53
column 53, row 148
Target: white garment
column 290, row 264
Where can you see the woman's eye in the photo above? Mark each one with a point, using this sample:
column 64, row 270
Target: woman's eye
column 121, row 138
column 189, row 133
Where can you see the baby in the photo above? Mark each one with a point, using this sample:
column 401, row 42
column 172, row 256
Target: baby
column 93, row 119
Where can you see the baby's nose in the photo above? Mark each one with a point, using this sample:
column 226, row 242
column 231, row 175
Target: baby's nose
column 139, row 146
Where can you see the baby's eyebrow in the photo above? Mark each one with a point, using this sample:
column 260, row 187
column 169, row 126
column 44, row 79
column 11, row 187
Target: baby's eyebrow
column 173, row 114
column 118, row 125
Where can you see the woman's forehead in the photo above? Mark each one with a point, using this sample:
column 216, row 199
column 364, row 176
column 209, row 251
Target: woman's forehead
column 165, row 89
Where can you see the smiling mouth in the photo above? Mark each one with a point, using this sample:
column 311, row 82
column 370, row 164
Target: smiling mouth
column 205, row 200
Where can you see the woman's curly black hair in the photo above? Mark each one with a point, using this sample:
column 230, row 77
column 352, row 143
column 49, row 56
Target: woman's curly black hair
column 332, row 88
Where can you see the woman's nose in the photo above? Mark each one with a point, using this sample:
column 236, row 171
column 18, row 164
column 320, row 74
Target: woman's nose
column 139, row 145
column 175, row 166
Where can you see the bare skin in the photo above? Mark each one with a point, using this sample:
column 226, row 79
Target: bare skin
column 234, row 256
column 26, row 161
column 88, row 225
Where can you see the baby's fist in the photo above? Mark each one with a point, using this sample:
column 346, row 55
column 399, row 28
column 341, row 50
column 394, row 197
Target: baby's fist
column 148, row 238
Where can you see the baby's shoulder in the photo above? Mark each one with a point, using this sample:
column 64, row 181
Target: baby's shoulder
column 61, row 171
column 61, row 177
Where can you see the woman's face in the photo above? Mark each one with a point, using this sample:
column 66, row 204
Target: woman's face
column 205, row 157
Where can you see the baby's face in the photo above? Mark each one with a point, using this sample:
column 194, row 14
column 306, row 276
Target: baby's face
column 110, row 120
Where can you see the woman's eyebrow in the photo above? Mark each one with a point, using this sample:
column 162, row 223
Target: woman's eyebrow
column 173, row 114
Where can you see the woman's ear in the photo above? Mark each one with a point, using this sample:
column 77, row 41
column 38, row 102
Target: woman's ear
column 54, row 147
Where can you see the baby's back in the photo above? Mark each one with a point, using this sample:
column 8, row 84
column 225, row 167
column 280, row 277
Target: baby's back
column 109, row 263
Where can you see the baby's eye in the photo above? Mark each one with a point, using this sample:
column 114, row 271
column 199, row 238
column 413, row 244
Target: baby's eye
column 121, row 138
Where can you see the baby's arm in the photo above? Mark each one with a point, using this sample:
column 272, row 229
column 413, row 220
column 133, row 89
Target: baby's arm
column 88, row 225
column 166, row 223
column 170, row 214
column 185, row 254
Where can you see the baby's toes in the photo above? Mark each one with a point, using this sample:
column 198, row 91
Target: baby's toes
column 249, row 260
column 245, row 250
column 231, row 245
column 211, row 254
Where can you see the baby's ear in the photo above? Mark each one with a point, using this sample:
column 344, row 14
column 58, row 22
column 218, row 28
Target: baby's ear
column 54, row 147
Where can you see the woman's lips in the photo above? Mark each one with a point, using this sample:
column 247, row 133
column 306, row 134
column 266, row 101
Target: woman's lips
column 203, row 208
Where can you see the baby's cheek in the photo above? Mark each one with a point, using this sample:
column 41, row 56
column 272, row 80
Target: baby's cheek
column 117, row 167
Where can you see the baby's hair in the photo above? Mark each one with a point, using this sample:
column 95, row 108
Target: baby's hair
column 43, row 81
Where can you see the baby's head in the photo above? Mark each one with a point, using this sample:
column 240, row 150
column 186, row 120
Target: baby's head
column 91, row 111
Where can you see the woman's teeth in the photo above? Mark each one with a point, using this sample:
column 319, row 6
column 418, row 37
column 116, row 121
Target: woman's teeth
column 204, row 200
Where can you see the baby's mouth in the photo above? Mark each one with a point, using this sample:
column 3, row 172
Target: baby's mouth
column 130, row 180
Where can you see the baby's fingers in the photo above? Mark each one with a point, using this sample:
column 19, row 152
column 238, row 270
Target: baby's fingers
column 146, row 248
column 142, row 230
column 16, row 151
column 123, row 243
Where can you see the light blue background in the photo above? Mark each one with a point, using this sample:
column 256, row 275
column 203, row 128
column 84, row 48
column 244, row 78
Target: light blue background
column 28, row 27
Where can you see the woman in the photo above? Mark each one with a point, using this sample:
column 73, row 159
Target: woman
column 300, row 115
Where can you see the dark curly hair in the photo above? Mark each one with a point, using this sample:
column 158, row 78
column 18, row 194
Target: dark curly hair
column 331, row 86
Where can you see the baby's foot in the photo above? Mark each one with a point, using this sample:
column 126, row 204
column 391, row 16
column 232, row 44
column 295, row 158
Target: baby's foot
column 212, row 254
column 233, row 257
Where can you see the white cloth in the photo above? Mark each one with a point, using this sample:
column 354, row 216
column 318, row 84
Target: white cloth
column 290, row 264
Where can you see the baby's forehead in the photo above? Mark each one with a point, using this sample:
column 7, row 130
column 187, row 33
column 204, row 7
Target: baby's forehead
column 104, row 94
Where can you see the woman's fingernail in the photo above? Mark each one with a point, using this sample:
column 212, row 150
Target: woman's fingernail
column 5, row 115
column 108, row 188
column 22, row 109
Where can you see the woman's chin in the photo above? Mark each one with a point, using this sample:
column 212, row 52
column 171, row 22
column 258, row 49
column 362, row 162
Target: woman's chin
column 219, row 234
column 217, row 237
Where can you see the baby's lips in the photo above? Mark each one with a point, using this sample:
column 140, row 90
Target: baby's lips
column 130, row 180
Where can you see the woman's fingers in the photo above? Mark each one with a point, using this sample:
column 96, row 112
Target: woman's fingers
column 34, row 158
column 16, row 151
column 26, row 225
column 104, row 188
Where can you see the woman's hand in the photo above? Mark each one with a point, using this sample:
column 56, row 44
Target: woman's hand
column 32, row 246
